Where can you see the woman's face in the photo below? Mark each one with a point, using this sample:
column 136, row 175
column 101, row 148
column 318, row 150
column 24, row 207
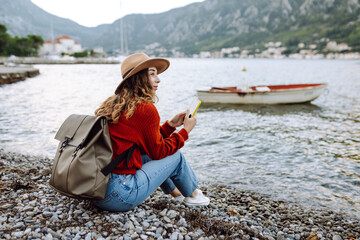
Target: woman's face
column 155, row 80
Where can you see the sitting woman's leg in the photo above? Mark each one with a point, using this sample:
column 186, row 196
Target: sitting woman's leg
column 170, row 173
column 167, row 186
column 182, row 181
column 125, row 192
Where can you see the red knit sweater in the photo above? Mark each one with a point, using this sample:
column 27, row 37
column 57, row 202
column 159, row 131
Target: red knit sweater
column 144, row 129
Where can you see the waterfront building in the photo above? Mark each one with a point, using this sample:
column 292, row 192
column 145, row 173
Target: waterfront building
column 61, row 45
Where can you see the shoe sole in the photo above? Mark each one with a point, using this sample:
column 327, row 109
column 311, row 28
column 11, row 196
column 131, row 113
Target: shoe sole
column 196, row 204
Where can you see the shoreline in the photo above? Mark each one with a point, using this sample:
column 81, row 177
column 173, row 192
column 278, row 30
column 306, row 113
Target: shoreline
column 42, row 60
column 30, row 208
column 94, row 60
column 16, row 73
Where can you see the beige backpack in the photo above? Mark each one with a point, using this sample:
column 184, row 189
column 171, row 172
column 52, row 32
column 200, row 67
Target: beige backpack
column 83, row 159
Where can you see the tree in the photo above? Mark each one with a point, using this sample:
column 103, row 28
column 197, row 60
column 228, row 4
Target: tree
column 4, row 40
column 36, row 41
column 24, row 46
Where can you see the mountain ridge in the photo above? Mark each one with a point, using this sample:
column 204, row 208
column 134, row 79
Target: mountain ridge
column 22, row 17
column 205, row 26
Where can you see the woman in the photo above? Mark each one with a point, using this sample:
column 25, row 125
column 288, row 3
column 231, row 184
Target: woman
column 134, row 122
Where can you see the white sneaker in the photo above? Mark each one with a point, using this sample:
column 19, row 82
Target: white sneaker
column 198, row 200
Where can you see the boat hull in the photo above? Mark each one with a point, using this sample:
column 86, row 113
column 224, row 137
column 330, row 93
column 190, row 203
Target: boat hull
column 277, row 95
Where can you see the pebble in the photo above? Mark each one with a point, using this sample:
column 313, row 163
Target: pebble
column 167, row 219
column 174, row 236
column 163, row 212
column 171, row 214
column 336, row 237
column 280, row 236
column 36, row 211
column 182, row 222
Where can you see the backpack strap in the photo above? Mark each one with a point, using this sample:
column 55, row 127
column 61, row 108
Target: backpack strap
column 112, row 165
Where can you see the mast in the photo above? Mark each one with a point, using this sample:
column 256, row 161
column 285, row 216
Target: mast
column 123, row 37
column 126, row 43
column 121, row 31
column 52, row 36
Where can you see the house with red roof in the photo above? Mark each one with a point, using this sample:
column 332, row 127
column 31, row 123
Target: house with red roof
column 62, row 44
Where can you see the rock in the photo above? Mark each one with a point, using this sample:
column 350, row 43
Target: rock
column 47, row 214
column 131, row 225
column 20, row 225
column 252, row 208
column 89, row 224
column 280, row 236
column 313, row 236
column 336, row 237
column 54, row 234
column 182, row 222
column 141, row 214
column 6, row 206
column 146, row 224
column 88, row 236
column 54, row 218
column 17, row 234
column 163, row 212
column 116, row 217
column 167, row 219
column 172, row 214
column 174, row 236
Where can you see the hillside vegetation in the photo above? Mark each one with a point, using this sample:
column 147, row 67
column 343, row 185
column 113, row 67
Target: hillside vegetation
column 215, row 24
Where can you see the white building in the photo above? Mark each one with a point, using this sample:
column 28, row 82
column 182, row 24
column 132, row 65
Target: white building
column 334, row 46
column 205, row 54
column 62, row 44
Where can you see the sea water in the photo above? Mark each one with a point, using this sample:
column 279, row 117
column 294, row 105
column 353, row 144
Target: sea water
column 305, row 153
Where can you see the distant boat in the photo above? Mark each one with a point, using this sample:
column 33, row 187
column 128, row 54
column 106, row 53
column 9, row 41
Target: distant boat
column 263, row 94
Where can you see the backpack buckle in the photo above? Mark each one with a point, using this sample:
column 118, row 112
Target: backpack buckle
column 64, row 144
column 76, row 150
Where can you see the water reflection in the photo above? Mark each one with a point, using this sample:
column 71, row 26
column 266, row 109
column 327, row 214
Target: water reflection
column 278, row 110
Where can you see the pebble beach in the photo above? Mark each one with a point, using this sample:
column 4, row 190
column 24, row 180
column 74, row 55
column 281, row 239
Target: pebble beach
column 31, row 209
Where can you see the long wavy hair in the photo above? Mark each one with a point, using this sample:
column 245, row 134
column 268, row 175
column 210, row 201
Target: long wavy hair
column 136, row 89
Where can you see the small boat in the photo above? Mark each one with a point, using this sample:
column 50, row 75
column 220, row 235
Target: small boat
column 263, row 94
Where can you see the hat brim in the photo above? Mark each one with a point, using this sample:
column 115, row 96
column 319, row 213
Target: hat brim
column 161, row 64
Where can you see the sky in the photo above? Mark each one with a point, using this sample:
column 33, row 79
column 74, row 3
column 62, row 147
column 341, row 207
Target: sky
column 91, row 13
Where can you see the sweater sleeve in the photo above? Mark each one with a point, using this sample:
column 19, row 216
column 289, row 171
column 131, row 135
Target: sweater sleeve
column 166, row 130
column 156, row 145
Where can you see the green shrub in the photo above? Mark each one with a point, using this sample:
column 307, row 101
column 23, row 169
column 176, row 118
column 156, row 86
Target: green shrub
column 19, row 46
column 81, row 54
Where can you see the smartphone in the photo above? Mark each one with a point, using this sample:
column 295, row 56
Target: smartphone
column 193, row 107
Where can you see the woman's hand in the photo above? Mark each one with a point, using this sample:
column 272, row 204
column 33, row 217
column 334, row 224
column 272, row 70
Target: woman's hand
column 177, row 120
column 189, row 123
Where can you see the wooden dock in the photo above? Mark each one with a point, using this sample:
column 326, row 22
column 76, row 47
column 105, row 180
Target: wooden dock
column 16, row 74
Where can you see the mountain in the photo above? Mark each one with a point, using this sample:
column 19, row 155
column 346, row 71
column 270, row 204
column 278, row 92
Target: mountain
column 213, row 24
column 204, row 26
column 22, row 17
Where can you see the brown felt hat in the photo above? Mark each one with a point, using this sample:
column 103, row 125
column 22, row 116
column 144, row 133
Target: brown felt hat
column 140, row 61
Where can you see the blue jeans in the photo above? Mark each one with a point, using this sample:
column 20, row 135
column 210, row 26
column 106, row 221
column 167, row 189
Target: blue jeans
column 125, row 192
